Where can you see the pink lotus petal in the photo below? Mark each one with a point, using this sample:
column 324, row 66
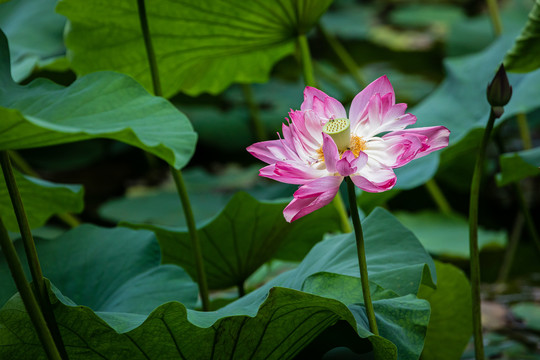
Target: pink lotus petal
column 268, row 151
column 331, row 153
column 312, row 196
column 310, row 93
column 290, row 173
column 345, row 166
column 375, row 179
column 334, row 109
column 414, row 143
column 380, row 86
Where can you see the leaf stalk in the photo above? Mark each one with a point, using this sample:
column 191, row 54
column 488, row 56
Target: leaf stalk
column 31, row 252
column 176, row 174
column 27, row 296
column 362, row 263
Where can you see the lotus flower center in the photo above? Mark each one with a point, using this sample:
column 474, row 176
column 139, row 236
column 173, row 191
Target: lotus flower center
column 340, row 131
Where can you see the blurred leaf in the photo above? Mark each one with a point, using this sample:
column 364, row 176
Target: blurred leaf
column 112, row 270
column 245, row 235
column 417, row 172
column 518, row 166
column 270, row 322
column 351, row 21
column 450, row 323
column 163, row 208
column 35, row 34
column 529, row 313
column 106, row 104
column 42, row 199
column 227, row 128
column 460, row 104
column 413, row 15
column 208, row 193
column 369, row 201
column 473, row 34
column 448, row 235
column 525, row 54
column 202, row 47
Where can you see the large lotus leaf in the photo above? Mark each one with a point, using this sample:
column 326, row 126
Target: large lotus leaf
column 399, row 318
column 450, row 323
column 271, row 322
column 200, row 47
column 105, row 105
column 208, row 195
column 35, row 34
column 113, row 270
column 525, row 54
column 518, row 166
column 460, row 104
column 242, row 237
column 286, row 321
column 396, row 260
column 448, row 235
column 41, row 199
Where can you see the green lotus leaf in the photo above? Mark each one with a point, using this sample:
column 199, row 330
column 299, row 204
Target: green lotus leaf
column 450, row 323
column 108, row 270
column 518, row 166
column 524, row 56
column 99, row 105
column 200, row 47
column 242, row 237
column 41, row 199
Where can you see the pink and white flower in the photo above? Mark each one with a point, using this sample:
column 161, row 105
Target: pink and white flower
column 307, row 156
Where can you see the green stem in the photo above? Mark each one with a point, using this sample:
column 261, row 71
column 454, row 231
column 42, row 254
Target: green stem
column 438, row 196
column 27, row 296
column 254, row 113
column 307, row 66
column 176, row 174
column 333, row 78
column 194, row 235
column 508, row 260
column 526, row 214
column 30, row 249
column 344, row 56
column 524, row 131
column 493, row 9
column 156, row 83
column 473, row 239
column 340, row 208
column 22, row 165
column 309, row 80
column 361, row 256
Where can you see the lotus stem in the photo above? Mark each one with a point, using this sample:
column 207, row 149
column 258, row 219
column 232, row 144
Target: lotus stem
column 27, row 296
column 31, row 253
column 254, row 114
column 362, row 263
column 527, row 215
column 307, row 65
column 438, row 197
column 344, row 56
column 473, row 241
column 493, row 9
column 524, row 131
column 176, row 174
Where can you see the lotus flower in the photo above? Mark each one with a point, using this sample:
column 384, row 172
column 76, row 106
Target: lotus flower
column 321, row 145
